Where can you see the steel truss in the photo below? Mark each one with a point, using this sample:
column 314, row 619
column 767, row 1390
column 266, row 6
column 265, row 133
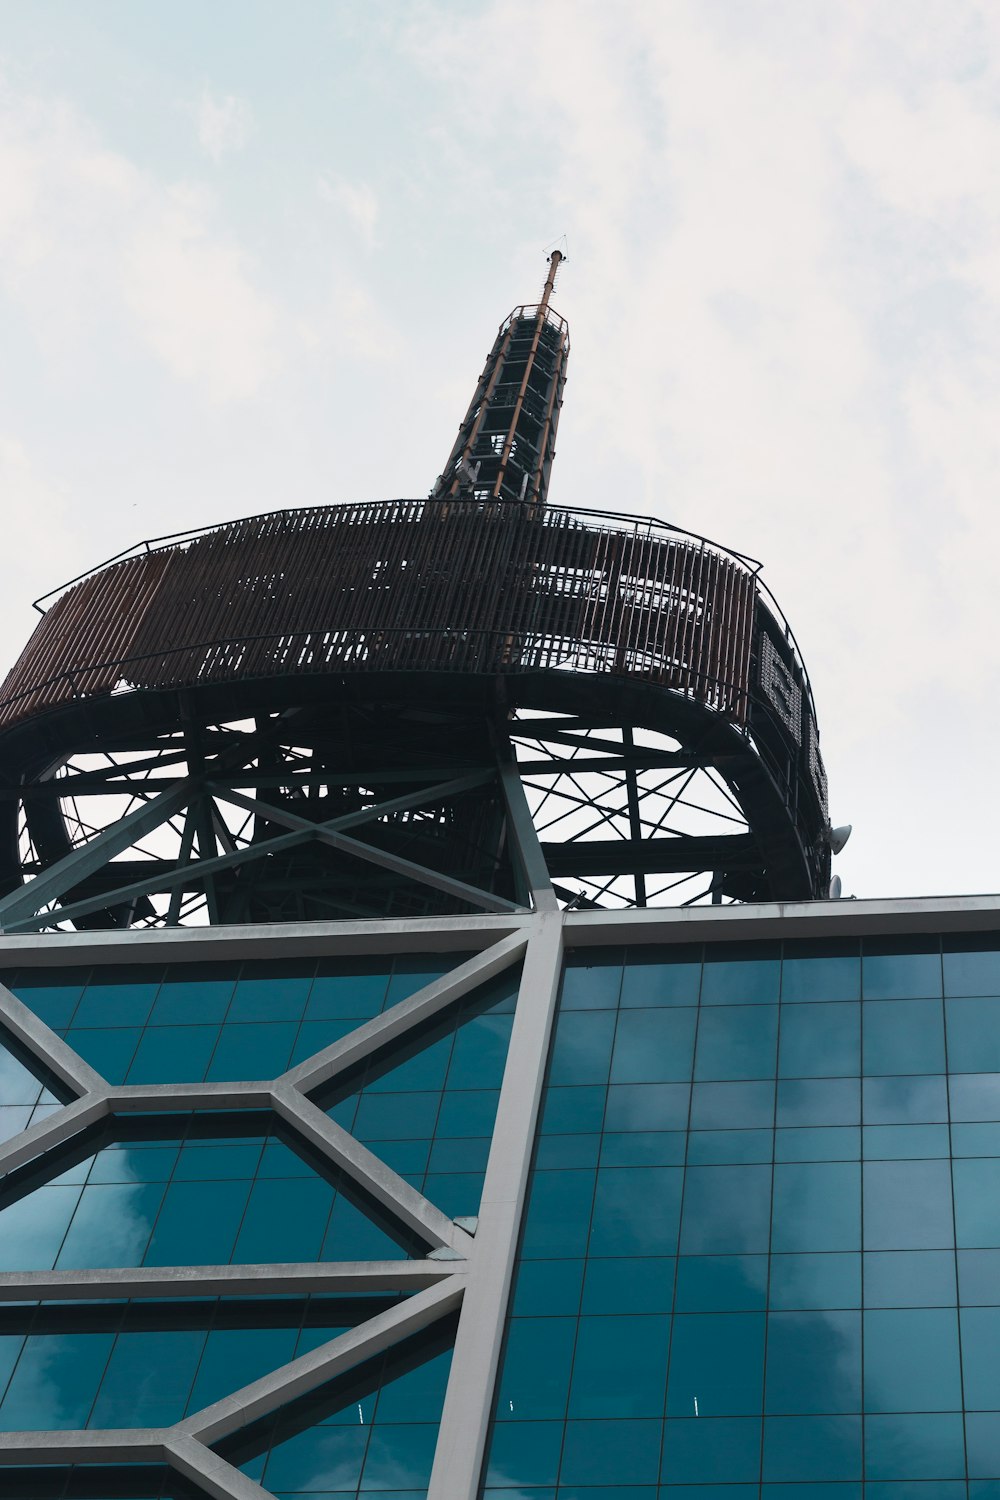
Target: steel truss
column 393, row 809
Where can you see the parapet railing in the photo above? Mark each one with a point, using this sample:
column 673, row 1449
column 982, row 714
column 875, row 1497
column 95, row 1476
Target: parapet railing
column 407, row 585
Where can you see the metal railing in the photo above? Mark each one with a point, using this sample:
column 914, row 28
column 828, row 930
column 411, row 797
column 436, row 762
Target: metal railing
column 404, row 585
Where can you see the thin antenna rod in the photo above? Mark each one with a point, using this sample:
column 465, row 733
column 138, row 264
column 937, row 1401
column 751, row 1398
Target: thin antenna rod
column 555, row 260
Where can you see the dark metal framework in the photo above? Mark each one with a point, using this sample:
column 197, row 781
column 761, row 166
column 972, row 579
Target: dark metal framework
column 368, row 710
column 506, row 444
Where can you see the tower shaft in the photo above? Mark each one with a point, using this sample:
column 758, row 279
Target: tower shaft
column 506, row 443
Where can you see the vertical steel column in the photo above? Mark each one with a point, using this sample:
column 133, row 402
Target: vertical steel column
column 461, row 1444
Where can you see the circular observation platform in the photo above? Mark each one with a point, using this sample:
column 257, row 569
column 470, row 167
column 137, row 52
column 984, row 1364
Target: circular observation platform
column 407, row 708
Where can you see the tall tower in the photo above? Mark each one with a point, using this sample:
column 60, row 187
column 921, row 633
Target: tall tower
column 413, row 707
column 428, row 1065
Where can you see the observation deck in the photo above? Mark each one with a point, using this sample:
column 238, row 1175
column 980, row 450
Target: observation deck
column 531, row 620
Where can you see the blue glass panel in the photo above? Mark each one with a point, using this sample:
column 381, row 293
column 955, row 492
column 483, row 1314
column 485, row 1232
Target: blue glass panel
column 726, row 1210
column 558, row 1217
column 661, row 976
column 972, row 965
column 975, row 1096
column 524, row 1453
column 234, row 1357
column 814, row 1362
column 815, row 1281
column 982, row 1438
column 284, row 1221
column 213, row 1210
column 269, row 991
column 569, row 1151
column 817, row 1206
column 707, row 1450
column 716, row 1365
column 577, row 1109
column 357, row 992
column 976, row 1140
column 818, row 1101
column 536, row 1369
column 548, row 1288
column 641, row 1148
column 979, row 1276
column 981, row 1369
column 820, row 1040
column 733, row 1106
column 904, row 1101
column 976, row 1202
column 721, row 1283
column 108, row 1052
column 194, row 994
column 817, row 1143
column 259, row 1050
column 636, row 1210
column 798, row 1448
column 619, row 1366
column 54, row 1383
column 973, row 1035
column 897, row 970
column 821, row 1490
column 902, row 1142
column 592, row 981
column 652, row 1046
column 480, row 1052
column 21, row 1076
column 166, row 1053
column 111, row 1226
column 904, row 1036
column 719, row 1147
column 148, row 1378
column 628, row 1286
column 647, row 1106
column 741, row 974
column 118, row 996
column 737, row 1041
column 627, row 1451
column 53, row 994
column 911, row 1360
column 910, row 1278
column 928, row 1446
column 813, row 971
column 907, row 1205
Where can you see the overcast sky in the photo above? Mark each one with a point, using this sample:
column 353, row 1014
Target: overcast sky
column 252, row 255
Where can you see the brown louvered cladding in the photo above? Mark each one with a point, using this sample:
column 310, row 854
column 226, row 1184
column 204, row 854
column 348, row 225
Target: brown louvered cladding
column 413, row 585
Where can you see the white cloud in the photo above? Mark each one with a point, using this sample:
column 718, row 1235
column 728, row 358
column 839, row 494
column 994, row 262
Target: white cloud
column 357, row 200
column 224, row 124
column 98, row 253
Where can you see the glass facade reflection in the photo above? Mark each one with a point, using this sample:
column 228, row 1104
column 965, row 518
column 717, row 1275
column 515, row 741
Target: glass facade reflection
column 215, row 1022
column 761, row 1251
column 759, row 1257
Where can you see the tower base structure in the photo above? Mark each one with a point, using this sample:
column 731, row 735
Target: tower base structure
column 403, row 709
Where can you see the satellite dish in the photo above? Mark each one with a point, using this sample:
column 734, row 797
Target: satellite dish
column 836, row 887
column 839, row 837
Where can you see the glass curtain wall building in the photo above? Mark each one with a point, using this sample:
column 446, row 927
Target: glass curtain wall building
column 431, row 1065
column 569, row 1206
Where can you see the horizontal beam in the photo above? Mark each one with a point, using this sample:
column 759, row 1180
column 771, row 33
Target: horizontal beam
column 300, row 1278
column 664, row 856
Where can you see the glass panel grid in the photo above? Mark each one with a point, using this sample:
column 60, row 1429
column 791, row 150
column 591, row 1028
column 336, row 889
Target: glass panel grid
column 746, row 1234
column 216, row 1022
